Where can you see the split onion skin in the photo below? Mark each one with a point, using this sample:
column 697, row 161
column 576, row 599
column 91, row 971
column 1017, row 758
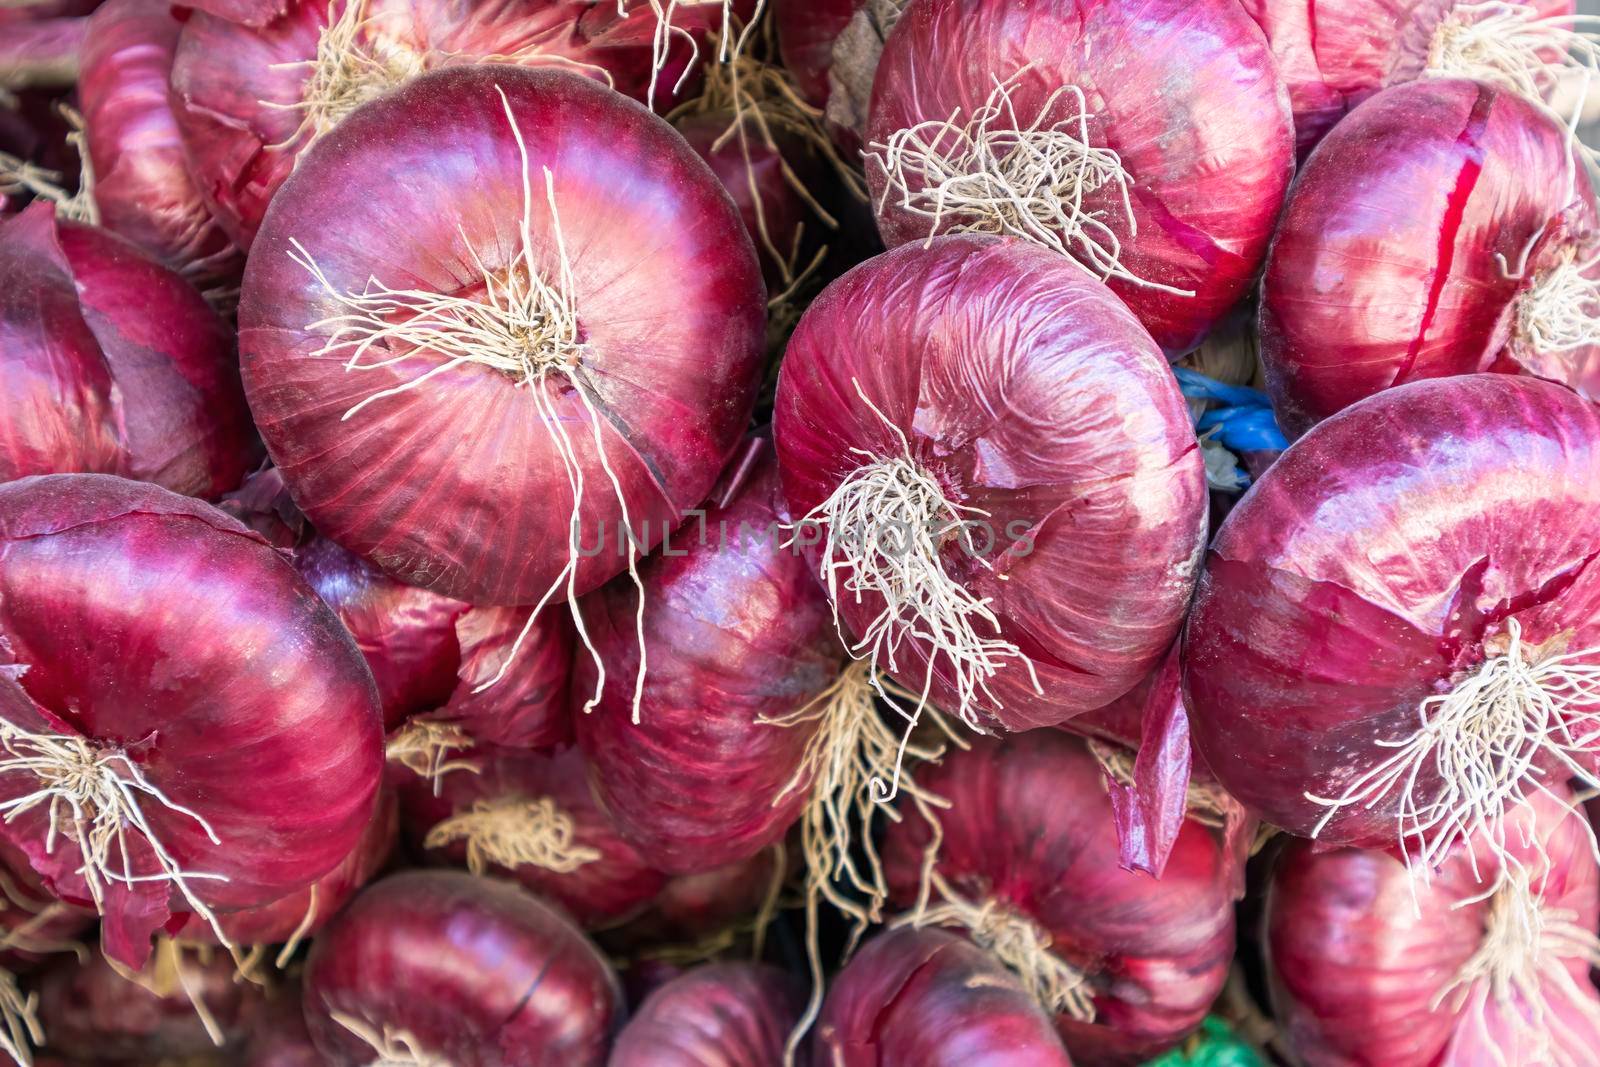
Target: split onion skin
column 927, row 998
column 477, row 970
column 113, row 364
column 1030, row 828
column 719, row 1015
column 1368, row 569
column 1029, row 391
column 736, row 628
column 153, row 622
column 672, row 352
column 1387, row 266
column 1187, row 95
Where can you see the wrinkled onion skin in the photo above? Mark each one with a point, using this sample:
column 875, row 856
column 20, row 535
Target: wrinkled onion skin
column 1367, row 569
column 599, row 893
column 1184, row 92
column 668, row 295
column 719, row 1015
column 113, row 364
column 807, row 30
column 736, row 628
column 1388, row 266
column 1030, row 392
column 1030, row 827
column 928, row 998
column 479, row 971
column 152, row 621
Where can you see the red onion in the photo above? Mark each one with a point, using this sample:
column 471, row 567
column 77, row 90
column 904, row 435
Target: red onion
column 927, row 998
column 113, row 364
column 142, row 189
column 280, row 1038
column 1372, row 964
column 670, row 355
column 1369, row 661
column 940, row 389
column 439, row 966
column 533, row 818
column 720, row 1015
column 807, row 30
column 1155, row 157
column 696, row 913
column 221, row 730
column 1444, row 228
column 33, row 926
column 1028, row 864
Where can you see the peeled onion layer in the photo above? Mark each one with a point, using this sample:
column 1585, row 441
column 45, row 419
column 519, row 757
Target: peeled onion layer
column 159, row 638
column 719, row 1015
column 113, row 364
column 473, row 971
column 928, row 998
column 1157, row 131
column 1414, row 241
column 666, row 356
column 531, row 817
column 1380, row 562
column 1046, row 416
column 1129, row 964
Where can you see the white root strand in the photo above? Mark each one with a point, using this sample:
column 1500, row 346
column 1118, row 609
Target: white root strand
column 395, row 1048
column 513, row 832
column 423, row 747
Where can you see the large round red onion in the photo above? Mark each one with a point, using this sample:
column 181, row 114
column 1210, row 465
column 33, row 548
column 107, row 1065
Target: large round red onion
column 942, row 384
column 1028, row 863
column 640, row 379
column 1446, row 227
column 1148, row 139
column 474, row 972
column 1359, row 624
column 533, row 818
column 719, row 1015
column 927, row 998
column 221, row 729
column 113, row 364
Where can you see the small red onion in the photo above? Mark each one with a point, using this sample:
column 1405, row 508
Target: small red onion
column 719, row 1015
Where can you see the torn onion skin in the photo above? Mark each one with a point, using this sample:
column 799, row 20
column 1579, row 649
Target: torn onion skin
column 152, row 624
column 1067, row 429
column 1030, row 830
column 1412, row 237
column 478, row 971
column 113, row 364
column 718, row 1015
column 672, row 354
column 1186, row 94
column 1380, row 561
column 611, row 881
column 928, row 998
column 34, row 925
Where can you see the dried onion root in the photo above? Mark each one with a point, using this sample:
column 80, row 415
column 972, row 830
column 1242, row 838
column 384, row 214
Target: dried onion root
column 730, row 44
column 394, row 1048
column 423, row 747
column 19, row 1020
column 512, row 832
column 1512, row 45
column 20, row 176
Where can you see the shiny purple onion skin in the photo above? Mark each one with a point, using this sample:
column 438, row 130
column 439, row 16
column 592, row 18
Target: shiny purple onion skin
column 668, row 296
column 718, row 1015
column 1030, row 827
column 928, row 998
column 1187, row 95
column 153, row 622
column 112, row 364
column 736, row 628
column 1066, row 427
column 1391, row 264
column 1370, row 567
column 599, row 893
column 478, row 970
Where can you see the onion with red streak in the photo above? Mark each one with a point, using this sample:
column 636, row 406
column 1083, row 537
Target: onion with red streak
column 719, row 1015
column 475, row 972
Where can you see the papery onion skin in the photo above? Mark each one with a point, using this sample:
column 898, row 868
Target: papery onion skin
column 1185, row 93
column 672, row 352
column 113, row 364
column 736, row 629
column 928, row 998
column 1030, row 828
column 719, row 1015
column 152, row 622
column 1392, row 262
column 477, row 970
column 1370, row 567
column 1066, row 428
column 602, row 891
